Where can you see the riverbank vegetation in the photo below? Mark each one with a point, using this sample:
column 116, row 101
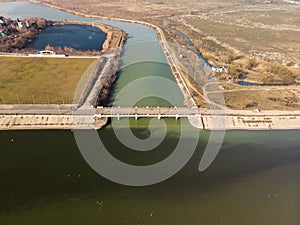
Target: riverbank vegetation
column 40, row 80
column 17, row 34
column 115, row 38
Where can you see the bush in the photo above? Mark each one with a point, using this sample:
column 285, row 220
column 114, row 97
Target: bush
column 233, row 71
column 283, row 72
column 251, row 63
column 278, row 69
column 230, row 57
column 252, row 105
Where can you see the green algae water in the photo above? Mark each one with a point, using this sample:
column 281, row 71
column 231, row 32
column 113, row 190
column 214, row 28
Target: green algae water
column 254, row 180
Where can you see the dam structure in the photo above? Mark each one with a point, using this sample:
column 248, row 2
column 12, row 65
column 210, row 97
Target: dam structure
column 39, row 117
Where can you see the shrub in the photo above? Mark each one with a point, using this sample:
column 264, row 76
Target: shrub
column 230, row 57
column 283, row 72
column 251, row 63
column 233, row 71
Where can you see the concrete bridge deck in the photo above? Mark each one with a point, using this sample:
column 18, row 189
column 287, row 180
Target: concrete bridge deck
column 24, row 117
column 138, row 112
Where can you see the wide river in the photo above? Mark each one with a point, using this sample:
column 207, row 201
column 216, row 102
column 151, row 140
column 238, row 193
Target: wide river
column 44, row 179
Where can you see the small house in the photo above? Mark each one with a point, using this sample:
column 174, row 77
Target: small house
column 2, row 20
column 2, row 32
column 26, row 22
column 21, row 25
column 220, row 69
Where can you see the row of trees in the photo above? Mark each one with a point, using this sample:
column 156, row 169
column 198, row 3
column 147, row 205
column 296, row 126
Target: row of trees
column 278, row 74
column 71, row 51
column 18, row 42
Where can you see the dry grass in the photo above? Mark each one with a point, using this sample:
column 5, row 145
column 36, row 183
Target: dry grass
column 275, row 99
column 264, row 43
column 136, row 9
column 40, row 80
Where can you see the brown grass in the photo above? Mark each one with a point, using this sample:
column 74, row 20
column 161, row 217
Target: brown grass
column 262, row 99
column 40, row 80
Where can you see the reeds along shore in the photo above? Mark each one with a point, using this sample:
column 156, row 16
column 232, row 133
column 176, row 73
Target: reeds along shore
column 115, row 37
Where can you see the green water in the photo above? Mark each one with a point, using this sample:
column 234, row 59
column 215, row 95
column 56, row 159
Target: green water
column 254, row 180
column 45, row 180
column 138, row 71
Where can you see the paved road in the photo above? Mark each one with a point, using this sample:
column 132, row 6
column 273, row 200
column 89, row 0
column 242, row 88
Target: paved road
column 48, row 56
column 125, row 111
column 36, row 109
column 185, row 112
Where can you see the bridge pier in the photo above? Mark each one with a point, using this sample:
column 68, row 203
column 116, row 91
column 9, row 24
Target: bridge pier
column 136, row 117
column 177, row 117
column 118, row 116
column 159, row 116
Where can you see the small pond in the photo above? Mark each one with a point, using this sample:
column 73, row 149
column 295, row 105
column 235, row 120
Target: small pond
column 78, row 37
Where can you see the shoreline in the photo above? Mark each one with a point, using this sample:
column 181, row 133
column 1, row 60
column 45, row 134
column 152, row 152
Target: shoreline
column 108, row 30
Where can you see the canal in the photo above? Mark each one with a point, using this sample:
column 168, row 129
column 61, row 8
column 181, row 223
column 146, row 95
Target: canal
column 255, row 179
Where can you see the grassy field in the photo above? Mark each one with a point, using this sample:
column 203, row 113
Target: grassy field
column 258, row 98
column 133, row 9
column 40, row 80
column 268, row 35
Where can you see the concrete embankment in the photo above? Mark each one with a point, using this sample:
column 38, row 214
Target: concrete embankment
column 89, row 118
column 272, row 120
column 50, row 122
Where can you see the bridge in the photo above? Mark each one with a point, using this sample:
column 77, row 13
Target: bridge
column 149, row 112
column 20, row 117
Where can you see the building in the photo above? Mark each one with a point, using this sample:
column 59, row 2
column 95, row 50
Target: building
column 21, row 25
column 27, row 24
column 2, row 32
column 220, row 69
